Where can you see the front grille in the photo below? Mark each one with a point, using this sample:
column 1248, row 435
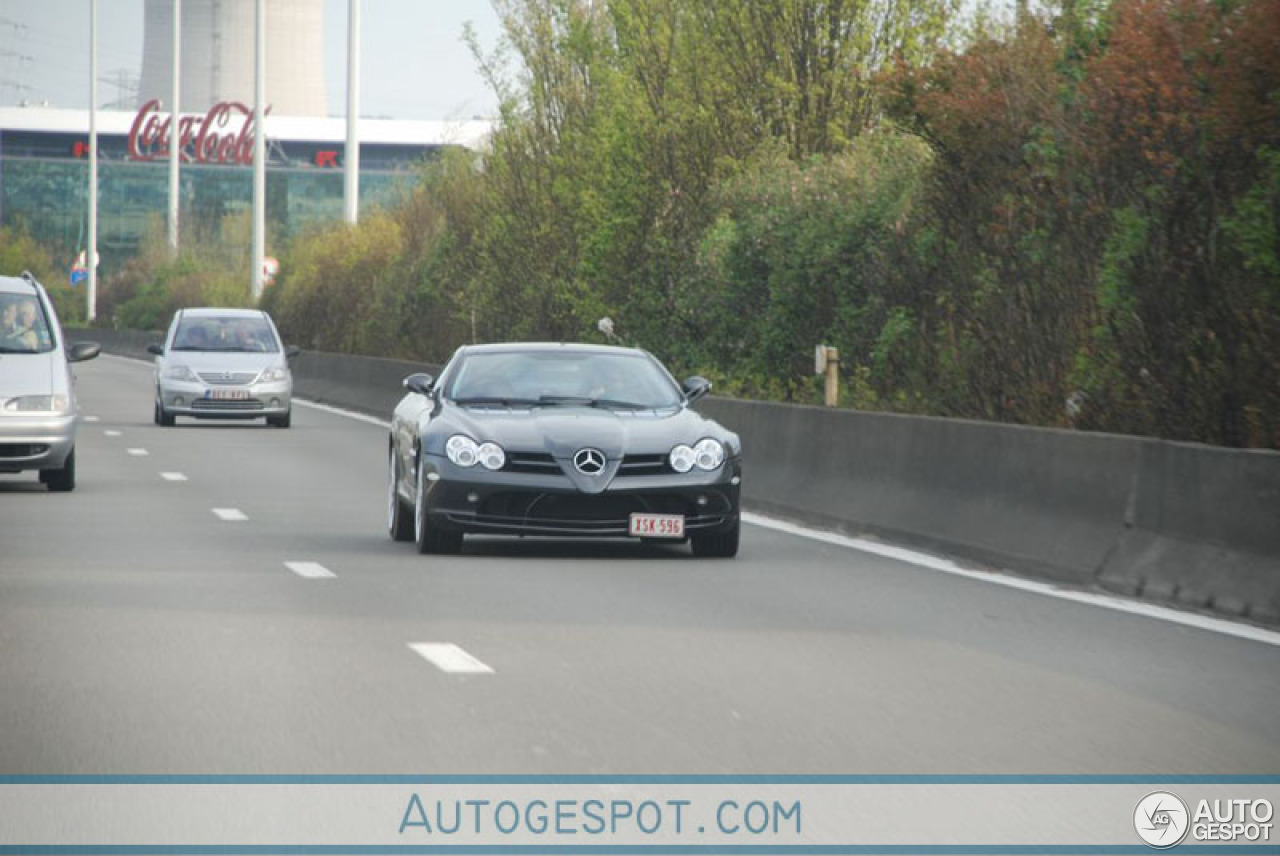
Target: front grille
column 539, row 463
column 22, row 450
column 215, row 404
column 644, row 465
column 228, row 378
column 581, row 508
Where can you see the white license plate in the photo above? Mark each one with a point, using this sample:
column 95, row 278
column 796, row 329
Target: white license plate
column 657, row 525
column 226, row 394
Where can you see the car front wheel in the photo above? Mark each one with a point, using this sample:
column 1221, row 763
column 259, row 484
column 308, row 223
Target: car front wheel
column 429, row 538
column 717, row 545
column 399, row 522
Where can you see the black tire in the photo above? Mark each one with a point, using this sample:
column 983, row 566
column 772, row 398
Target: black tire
column 162, row 417
column 399, row 514
column 717, row 545
column 429, row 538
column 62, row 480
column 281, row 421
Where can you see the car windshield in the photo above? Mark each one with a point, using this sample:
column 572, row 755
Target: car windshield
column 24, row 329
column 562, row 378
column 229, row 333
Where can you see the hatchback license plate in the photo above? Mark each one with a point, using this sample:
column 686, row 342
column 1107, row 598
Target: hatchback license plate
column 227, row 394
column 657, row 525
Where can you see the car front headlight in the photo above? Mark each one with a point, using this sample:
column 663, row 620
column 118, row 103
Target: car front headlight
column 708, row 454
column 273, row 375
column 38, row 404
column 465, row 452
column 181, row 373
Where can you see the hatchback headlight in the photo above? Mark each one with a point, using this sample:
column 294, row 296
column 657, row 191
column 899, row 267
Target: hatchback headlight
column 465, row 452
column 37, row 404
column 708, row 454
column 181, row 373
column 273, row 375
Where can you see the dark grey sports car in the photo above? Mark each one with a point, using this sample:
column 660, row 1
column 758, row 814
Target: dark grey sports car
column 560, row 440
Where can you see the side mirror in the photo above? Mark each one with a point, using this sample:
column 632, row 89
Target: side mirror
column 420, row 383
column 291, row 352
column 82, row 351
column 696, row 387
column 158, row 350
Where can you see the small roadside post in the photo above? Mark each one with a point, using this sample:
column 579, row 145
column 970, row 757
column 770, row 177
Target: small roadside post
column 826, row 361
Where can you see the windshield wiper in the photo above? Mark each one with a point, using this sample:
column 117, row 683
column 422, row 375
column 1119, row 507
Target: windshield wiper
column 588, row 401
column 495, row 399
column 4, row 350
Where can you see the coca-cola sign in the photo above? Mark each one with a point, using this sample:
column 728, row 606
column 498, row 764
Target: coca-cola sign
column 214, row 137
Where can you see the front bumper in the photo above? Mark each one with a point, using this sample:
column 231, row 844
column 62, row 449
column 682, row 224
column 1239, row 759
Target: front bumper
column 183, row 398
column 475, row 500
column 37, row 441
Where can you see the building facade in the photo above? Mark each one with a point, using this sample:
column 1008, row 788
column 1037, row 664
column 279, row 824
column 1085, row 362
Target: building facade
column 44, row 170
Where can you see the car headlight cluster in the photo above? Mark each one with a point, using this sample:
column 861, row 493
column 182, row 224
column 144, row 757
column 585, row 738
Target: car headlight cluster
column 37, row 404
column 181, row 373
column 708, row 454
column 465, row 452
column 273, row 375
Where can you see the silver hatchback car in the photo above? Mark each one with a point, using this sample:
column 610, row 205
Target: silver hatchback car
column 223, row 364
column 38, row 408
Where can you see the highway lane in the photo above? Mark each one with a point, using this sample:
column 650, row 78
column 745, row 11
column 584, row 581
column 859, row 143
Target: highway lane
column 141, row 633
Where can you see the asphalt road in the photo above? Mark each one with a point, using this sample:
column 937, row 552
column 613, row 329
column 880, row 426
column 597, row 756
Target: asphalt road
column 142, row 633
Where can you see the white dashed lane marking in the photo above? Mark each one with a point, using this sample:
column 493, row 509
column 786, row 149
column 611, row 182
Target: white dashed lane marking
column 310, row 570
column 174, row 477
column 110, row 432
column 448, row 657
column 230, row 515
column 138, row 453
column 91, row 419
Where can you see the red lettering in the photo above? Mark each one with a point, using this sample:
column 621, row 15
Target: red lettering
column 326, row 158
column 199, row 139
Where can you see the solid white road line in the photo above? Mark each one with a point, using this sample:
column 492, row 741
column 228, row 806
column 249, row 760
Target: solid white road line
column 173, row 477
column 230, row 514
column 350, row 414
column 448, row 657
column 310, row 570
column 138, row 453
column 111, row 433
column 936, row 563
column 1000, row 578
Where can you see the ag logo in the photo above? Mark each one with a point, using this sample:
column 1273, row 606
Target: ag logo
column 1161, row 819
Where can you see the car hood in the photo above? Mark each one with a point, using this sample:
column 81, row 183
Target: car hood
column 231, row 361
column 29, row 374
column 563, row 430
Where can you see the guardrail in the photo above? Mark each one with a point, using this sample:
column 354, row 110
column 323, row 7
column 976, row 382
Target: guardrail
column 1178, row 523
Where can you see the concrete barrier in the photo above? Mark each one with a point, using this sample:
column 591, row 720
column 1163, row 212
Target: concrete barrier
column 1194, row 526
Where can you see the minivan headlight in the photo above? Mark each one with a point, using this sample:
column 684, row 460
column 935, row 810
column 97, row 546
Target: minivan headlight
column 181, row 372
column 37, row 404
column 273, row 375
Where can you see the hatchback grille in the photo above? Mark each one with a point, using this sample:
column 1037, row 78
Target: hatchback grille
column 228, row 378
column 22, row 450
column 215, row 404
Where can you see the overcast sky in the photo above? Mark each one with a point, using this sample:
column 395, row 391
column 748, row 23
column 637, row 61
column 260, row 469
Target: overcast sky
column 414, row 63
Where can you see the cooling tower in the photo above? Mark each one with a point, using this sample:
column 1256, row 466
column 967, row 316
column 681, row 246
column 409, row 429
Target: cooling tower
column 217, row 55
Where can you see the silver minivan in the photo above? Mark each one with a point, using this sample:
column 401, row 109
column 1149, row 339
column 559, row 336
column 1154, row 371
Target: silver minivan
column 223, row 364
column 38, row 407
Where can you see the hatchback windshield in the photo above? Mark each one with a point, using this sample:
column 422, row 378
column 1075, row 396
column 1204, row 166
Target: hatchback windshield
column 559, row 377
column 23, row 326
column 230, row 333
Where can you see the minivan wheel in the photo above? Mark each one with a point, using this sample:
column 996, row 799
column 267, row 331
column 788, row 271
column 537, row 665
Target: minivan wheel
column 64, row 479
